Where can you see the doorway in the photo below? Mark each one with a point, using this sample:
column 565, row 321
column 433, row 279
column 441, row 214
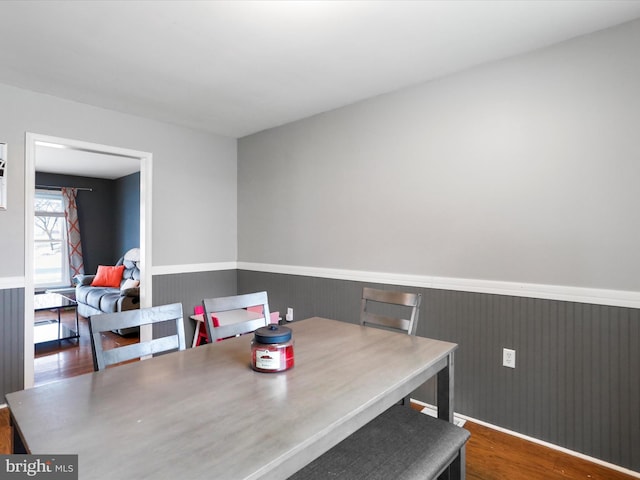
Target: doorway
column 94, row 153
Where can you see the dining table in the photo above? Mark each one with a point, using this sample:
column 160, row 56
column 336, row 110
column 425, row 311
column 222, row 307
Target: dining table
column 205, row 413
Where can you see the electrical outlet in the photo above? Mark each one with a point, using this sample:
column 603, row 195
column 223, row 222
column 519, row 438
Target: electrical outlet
column 508, row 358
column 289, row 316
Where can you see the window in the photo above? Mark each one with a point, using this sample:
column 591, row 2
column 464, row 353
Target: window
column 51, row 259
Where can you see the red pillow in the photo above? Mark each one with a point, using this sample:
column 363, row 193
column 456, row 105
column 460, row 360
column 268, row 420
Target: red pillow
column 108, row 276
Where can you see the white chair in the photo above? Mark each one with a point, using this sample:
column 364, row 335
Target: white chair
column 107, row 322
column 214, row 306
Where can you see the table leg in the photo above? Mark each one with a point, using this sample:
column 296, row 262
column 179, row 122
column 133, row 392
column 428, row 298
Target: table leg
column 77, row 324
column 18, row 444
column 445, row 390
column 59, row 326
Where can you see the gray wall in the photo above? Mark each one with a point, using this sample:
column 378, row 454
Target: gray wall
column 190, row 289
column 576, row 377
column 523, row 170
column 194, row 178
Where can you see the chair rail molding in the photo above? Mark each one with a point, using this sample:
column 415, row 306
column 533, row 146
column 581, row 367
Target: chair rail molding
column 193, row 268
column 614, row 298
column 11, row 282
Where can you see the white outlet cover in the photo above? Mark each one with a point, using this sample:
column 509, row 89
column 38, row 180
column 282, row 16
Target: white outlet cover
column 508, row 358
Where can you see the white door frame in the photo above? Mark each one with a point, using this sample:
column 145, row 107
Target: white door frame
column 145, row 158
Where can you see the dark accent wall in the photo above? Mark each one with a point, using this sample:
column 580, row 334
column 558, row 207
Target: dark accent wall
column 576, row 379
column 11, row 340
column 190, row 289
column 97, row 217
column 109, row 215
column 127, row 207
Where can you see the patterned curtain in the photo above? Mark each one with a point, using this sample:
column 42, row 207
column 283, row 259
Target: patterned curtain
column 76, row 265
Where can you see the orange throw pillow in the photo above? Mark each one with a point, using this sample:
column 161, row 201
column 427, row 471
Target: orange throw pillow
column 108, row 276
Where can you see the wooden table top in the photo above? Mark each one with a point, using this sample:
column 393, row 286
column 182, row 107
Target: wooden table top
column 204, row 413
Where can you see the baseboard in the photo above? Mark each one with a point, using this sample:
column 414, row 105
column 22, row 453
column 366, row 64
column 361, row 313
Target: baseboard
column 462, row 418
column 432, row 411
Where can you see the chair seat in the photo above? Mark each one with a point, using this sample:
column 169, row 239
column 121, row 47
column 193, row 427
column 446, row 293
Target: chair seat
column 401, row 443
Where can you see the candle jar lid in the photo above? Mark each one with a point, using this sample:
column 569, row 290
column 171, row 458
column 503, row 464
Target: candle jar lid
column 272, row 334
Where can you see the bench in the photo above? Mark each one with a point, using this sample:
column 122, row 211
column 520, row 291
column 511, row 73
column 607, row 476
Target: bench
column 399, row 444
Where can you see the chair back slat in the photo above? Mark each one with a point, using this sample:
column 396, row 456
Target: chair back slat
column 135, row 318
column 384, row 321
column 212, row 306
column 388, row 297
column 226, row 331
column 139, row 350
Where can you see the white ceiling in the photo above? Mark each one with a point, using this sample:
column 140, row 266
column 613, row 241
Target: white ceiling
column 239, row 67
column 52, row 158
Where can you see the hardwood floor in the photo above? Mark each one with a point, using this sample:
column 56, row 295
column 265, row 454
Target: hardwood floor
column 491, row 454
column 6, row 433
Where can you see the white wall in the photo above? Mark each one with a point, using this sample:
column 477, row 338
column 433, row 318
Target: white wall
column 524, row 170
column 194, row 176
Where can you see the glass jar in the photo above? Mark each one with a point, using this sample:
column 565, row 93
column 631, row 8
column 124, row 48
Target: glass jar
column 272, row 349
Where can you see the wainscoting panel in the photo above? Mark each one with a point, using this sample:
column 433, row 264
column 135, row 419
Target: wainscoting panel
column 191, row 289
column 576, row 383
column 11, row 340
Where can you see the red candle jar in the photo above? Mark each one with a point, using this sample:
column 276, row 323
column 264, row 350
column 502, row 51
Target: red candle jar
column 272, row 349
